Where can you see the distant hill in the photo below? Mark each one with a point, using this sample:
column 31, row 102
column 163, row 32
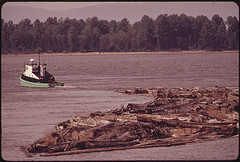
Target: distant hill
column 115, row 11
column 133, row 12
column 18, row 13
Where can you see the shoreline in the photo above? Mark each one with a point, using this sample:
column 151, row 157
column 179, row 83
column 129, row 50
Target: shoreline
column 122, row 53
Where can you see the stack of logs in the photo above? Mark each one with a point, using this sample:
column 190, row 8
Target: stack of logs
column 175, row 116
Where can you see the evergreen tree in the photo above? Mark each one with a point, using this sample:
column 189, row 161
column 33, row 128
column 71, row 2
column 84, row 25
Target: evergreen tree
column 232, row 33
column 145, row 34
column 219, row 33
column 161, row 32
column 206, row 36
column 72, row 35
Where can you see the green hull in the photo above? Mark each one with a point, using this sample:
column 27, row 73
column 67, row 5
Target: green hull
column 25, row 83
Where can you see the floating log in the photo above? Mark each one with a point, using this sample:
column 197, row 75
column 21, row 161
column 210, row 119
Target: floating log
column 175, row 116
column 141, row 145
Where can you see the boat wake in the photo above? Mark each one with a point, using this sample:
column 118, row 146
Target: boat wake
column 73, row 87
column 85, row 88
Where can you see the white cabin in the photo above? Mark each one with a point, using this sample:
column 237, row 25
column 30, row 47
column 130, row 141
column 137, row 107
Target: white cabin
column 34, row 68
column 29, row 72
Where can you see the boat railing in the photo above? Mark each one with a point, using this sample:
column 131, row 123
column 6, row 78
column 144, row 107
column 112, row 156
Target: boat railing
column 44, row 64
column 31, row 64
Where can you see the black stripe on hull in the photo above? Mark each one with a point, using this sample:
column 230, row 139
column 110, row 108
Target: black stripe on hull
column 44, row 80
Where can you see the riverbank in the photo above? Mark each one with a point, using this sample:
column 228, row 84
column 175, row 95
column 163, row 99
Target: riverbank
column 122, row 53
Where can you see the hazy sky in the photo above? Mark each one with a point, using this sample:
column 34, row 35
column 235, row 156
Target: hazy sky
column 55, row 5
column 70, row 5
column 223, row 9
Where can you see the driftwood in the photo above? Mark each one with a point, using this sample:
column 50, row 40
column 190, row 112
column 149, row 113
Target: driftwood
column 140, row 145
column 175, row 116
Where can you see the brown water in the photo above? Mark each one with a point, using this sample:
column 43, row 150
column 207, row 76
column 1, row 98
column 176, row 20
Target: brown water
column 28, row 113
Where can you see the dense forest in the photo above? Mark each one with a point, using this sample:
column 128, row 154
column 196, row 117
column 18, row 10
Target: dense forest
column 166, row 32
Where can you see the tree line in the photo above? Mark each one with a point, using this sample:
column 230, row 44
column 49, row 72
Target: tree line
column 166, row 32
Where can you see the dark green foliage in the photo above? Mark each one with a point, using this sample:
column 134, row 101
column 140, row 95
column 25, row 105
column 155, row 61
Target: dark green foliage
column 232, row 33
column 166, row 32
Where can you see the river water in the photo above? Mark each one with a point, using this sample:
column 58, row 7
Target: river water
column 29, row 113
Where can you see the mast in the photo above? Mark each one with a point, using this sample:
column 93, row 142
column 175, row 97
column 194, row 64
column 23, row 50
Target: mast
column 39, row 66
column 39, row 59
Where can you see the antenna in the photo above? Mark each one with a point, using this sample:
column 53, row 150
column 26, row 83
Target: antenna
column 39, row 58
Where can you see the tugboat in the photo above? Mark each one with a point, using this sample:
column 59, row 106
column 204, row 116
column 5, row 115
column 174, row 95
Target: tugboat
column 36, row 75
